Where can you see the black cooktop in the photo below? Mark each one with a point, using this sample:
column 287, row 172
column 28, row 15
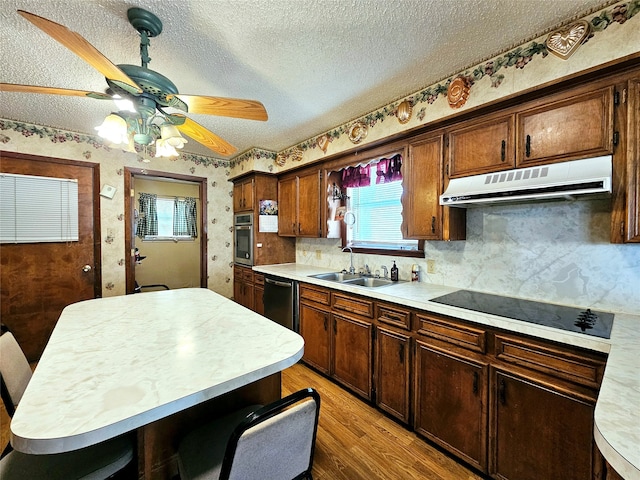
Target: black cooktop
column 572, row 319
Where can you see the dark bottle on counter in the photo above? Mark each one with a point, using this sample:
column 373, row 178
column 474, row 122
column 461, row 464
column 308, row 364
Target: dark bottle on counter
column 394, row 273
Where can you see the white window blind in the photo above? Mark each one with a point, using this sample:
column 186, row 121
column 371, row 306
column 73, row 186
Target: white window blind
column 38, row 209
column 378, row 212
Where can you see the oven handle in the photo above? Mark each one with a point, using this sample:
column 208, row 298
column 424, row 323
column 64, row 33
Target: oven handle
column 277, row 283
column 242, row 227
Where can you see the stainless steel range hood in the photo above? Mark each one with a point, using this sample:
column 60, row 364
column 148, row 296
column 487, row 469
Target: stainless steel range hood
column 591, row 176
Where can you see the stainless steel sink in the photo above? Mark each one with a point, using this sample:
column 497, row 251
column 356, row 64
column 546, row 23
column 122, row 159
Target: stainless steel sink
column 336, row 276
column 370, row 282
column 353, row 279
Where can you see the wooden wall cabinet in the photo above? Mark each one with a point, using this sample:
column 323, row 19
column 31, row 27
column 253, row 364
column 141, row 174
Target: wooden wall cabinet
column 422, row 182
column 575, row 126
column 299, row 205
column 481, row 146
column 625, row 210
column 243, row 195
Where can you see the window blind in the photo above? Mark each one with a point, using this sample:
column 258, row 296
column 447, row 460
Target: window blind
column 378, row 212
column 38, row 209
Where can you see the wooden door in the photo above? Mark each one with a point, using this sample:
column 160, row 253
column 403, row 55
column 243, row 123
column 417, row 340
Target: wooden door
column 309, row 205
column 40, row 279
column 287, row 205
column 352, row 354
column 481, row 147
column 451, row 403
column 392, row 372
column 578, row 127
column 314, row 328
column 539, row 432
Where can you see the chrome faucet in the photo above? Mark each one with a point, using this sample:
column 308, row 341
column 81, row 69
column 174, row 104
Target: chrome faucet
column 367, row 270
column 385, row 271
column 352, row 269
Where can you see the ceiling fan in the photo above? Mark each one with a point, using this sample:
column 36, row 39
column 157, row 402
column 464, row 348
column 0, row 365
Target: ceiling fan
column 150, row 93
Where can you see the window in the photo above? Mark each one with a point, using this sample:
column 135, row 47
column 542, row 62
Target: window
column 165, row 218
column 375, row 193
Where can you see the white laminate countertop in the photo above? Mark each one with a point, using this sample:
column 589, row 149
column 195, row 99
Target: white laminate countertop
column 617, row 413
column 115, row 364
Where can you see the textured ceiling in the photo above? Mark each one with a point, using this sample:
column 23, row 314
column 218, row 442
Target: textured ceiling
column 314, row 64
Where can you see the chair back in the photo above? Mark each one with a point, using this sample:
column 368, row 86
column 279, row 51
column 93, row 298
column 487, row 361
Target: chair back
column 14, row 371
column 276, row 442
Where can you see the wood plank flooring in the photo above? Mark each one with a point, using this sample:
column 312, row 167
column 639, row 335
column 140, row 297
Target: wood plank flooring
column 355, row 441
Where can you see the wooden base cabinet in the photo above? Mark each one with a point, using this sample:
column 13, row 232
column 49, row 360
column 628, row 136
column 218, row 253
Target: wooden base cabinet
column 538, row 431
column 243, row 286
column 451, row 402
column 315, row 329
column 392, row 378
column 353, row 353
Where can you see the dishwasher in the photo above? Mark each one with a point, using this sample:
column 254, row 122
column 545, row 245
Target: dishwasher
column 281, row 301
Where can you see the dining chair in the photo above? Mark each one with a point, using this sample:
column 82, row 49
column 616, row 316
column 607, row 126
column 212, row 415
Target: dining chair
column 273, row 442
column 97, row 462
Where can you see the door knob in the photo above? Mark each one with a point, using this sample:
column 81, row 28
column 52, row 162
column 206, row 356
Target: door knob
column 86, row 268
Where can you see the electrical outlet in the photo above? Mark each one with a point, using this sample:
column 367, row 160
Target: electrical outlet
column 431, row 266
column 318, row 254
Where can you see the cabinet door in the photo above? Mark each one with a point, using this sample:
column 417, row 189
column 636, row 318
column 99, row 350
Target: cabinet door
column 451, row 403
column 258, row 299
column 421, row 186
column 539, row 432
column 481, row 147
column 352, row 354
column 577, row 127
column 287, row 206
column 309, row 205
column 392, row 373
column 315, row 329
column 237, row 197
column 247, row 195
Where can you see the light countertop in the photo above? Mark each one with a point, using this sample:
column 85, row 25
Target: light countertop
column 115, row 364
column 617, row 413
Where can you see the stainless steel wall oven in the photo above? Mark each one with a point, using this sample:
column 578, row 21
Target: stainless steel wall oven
column 243, row 239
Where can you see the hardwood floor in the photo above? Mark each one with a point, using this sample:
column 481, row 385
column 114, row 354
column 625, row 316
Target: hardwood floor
column 357, row 442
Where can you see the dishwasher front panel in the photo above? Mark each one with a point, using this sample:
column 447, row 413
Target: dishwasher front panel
column 281, row 301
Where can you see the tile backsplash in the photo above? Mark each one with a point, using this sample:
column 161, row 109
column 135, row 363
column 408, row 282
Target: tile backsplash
column 556, row 252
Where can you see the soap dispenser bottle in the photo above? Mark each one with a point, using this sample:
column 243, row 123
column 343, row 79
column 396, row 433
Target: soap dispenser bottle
column 394, row 272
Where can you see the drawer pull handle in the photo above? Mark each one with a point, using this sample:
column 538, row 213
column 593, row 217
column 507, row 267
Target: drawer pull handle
column 503, row 151
column 401, row 353
column 527, row 147
column 475, row 382
column 325, row 323
column 502, row 391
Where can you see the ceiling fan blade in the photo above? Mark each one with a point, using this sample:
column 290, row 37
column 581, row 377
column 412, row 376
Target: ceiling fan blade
column 207, row 138
column 226, row 107
column 78, row 45
column 12, row 87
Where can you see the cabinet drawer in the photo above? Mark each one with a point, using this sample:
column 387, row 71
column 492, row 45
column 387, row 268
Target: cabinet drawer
column 470, row 338
column 359, row 306
column 244, row 274
column 258, row 279
column 583, row 369
column 393, row 315
column 315, row 294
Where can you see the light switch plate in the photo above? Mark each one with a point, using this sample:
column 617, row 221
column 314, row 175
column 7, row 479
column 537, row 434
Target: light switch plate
column 108, row 191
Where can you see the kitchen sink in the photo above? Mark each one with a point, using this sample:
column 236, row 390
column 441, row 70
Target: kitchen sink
column 353, row 279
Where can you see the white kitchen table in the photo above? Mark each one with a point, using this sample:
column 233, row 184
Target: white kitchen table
column 117, row 364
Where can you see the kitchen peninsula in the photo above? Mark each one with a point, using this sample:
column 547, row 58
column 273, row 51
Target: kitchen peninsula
column 616, row 426
column 117, row 364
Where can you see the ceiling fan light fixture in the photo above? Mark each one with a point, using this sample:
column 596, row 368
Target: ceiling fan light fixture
column 170, row 134
column 114, row 129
